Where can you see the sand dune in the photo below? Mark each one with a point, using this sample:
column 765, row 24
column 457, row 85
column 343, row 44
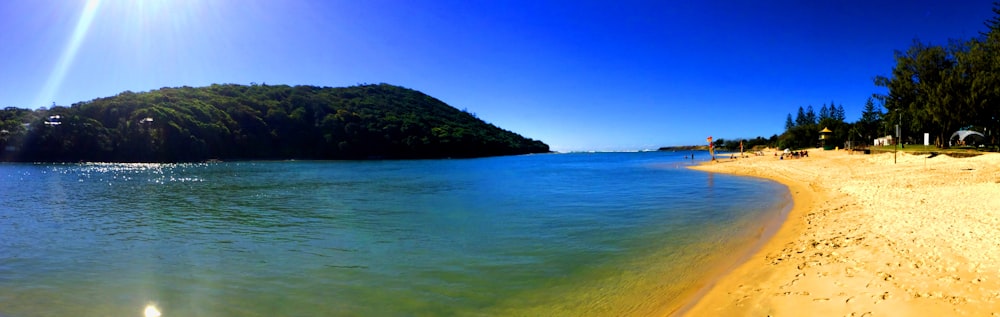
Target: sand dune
column 870, row 237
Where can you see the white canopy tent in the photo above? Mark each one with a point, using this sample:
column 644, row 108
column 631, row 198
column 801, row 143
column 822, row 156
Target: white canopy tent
column 967, row 137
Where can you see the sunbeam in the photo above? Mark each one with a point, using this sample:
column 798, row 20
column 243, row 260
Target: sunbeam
column 55, row 79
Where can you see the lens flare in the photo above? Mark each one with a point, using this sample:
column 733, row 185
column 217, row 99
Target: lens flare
column 69, row 52
column 151, row 311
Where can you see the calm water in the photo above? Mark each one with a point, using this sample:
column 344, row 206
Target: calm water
column 567, row 234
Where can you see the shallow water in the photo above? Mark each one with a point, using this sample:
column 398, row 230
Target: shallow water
column 567, row 234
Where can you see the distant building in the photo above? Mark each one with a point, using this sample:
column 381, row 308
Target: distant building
column 54, row 120
column 883, row 141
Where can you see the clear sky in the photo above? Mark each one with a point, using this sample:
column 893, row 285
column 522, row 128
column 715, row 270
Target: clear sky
column 579, row 75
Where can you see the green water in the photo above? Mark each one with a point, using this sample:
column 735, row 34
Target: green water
column 570, row 234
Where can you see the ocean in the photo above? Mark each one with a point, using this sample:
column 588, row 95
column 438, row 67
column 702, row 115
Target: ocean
column 596, row 234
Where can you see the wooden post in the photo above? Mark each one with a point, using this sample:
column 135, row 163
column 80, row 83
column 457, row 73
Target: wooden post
column 899, row 136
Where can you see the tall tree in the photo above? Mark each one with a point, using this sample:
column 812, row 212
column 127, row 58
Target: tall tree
column 789, row 124
column 980, row 65
column 871, row 120
column 923, row 90
column 939, row 89
column 824, row 112
column 800, row 118
column 811, row 115
column 992, row 24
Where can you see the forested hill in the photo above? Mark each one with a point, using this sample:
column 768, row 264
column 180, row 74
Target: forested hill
column 236, row 122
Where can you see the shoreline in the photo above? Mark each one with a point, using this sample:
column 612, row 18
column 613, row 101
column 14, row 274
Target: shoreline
column 781, row 224
column 769, row 229
column 867, row 236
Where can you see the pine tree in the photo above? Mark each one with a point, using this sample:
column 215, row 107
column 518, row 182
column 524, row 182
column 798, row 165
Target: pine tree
column 800, row 117
column 871, row 119
column 810, row 115
column 789, row 124
column 993, row 24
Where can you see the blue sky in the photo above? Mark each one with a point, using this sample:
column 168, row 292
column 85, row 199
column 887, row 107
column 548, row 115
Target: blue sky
column 579, row 75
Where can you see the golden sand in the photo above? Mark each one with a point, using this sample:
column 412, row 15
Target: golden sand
column 870, row 237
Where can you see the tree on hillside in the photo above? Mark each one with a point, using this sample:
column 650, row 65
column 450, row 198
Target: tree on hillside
column 824, row 113
column 256, row 122
column 810, row 115
column 789, row 124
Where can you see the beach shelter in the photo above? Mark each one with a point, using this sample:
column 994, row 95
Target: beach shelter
column 966, row 137
column 823, row 136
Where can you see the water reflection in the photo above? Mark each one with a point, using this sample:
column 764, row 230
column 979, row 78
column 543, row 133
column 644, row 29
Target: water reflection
column 151, row 311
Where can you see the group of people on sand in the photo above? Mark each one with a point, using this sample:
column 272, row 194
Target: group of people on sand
column 793, row 154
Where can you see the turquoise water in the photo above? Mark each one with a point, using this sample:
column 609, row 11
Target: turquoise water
column 566, row 234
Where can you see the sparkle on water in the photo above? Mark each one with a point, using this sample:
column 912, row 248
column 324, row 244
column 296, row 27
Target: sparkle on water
column 544, row 235
column 151, row 311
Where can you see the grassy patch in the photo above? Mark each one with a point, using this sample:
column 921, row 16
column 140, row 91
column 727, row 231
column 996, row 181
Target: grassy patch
column 955, row 151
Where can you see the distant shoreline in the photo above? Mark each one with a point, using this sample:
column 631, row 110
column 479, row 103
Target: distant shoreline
column 684, row 148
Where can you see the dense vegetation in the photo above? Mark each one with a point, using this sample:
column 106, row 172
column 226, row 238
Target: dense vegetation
column 748, row 144
column 932, row 89
column 254, row 122
column 940, row 89
column 804, row 130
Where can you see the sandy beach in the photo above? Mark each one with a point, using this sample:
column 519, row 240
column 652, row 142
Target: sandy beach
column 870, row 237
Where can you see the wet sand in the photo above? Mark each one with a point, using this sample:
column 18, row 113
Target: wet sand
column 870, row 237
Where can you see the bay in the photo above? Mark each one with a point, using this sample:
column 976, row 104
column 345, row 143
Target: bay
column 561, row 234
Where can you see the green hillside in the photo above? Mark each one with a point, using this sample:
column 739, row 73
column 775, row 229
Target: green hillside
column 236, row 122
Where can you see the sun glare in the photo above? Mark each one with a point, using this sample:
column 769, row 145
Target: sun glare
column 130, row 36
column 69, row 52
column 151, row 311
